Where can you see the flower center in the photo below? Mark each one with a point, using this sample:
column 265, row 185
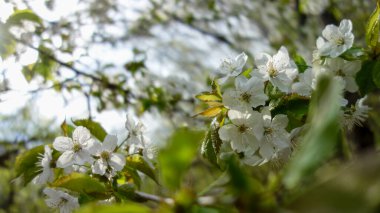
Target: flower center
column 340, row 41
column 340, row 73
column 77, row 147
column 243, row 128
column 105, row 155
column 272, row 71
column 268, row 131
column 245, row 97
column 62, row 202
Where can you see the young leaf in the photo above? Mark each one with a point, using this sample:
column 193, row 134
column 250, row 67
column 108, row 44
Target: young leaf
column 208, row 96
column 319, row 143
column 300, row 62
column 95, row 128
column 139, row 163
column 355, row 53
column 67, row 129
column 26, row 164
column 211, row 146
column 131, row 176
column 373, row 27
column 17, row 17
column 82, row 183
column 211, row 112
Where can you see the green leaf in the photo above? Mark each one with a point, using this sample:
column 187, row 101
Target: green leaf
column 7, row 44
column 138, row 162
column 131, row 176
column 95, row 128
column 20, row 15
column 300, row 62
column 364, row 78
column 175, row 158
column 67, row 129
column 376, row 73
column 373, row 27
column 83, row 184
column 126, row 192
column 216, row 88
column 128, row 207
column 26, row 164
column 208, row 96
column 348, row 188
column 211, row 146
column 320, row 141
column 355, row 53
column 134, row 66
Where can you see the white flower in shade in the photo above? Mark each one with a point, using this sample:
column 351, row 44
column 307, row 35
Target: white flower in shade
column 305, row 84
column 247, row 94
column 107, row 158
column 357, row 114
column 274, row 137
column 336, row 40
column 230, row 68
column 346, row 70
column 75, row 168
column 314, row 7
column 59, row 199
column 250, row 157
column 134, row 129
column 279, row 69
column 76, row 150
column 47, row 174
column 241, row 131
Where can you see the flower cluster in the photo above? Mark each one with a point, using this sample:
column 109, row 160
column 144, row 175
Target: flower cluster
column 255, row 129
column 84, row 154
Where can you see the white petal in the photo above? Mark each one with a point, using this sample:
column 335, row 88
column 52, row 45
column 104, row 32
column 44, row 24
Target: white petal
column 117, row 161
column 82, row 157
column 66, row 159
column 266, row 150
column 63, row 144
column 345, row 26
column 81, row 134
column 99, row 167
column 280, row 122
column 351, row 85
column 225, row 132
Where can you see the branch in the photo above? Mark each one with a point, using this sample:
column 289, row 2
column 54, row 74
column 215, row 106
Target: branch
column 70, row 67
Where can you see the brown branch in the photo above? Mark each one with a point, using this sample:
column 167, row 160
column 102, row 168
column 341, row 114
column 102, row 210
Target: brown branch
column 70, row 67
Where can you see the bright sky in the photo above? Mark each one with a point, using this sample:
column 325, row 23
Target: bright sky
column 52, row 106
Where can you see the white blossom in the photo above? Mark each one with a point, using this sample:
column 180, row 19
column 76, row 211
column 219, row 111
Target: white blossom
column 135, row 135
column 76, row 150
column 47, row 174
column 230, row 68
column 336, row 40
column 59, row 199
column 247, row 94
column 306, row 83
column 346, row 70
column 241, row 130
column 356, row 115
column 314, row 7
column 250, row 157
column 107, row 158
column 279, row 69
column 274, row 137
